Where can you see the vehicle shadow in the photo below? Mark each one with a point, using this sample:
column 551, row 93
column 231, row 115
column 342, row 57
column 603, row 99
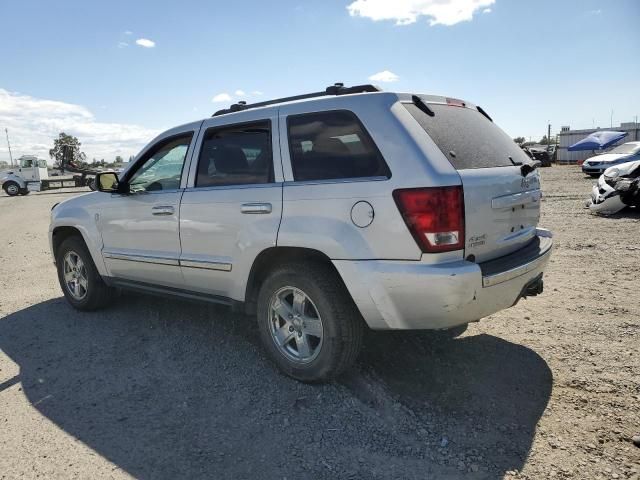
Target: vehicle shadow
column 171, row 389
column 486, row 393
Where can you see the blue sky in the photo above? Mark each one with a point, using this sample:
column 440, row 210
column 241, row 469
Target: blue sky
column 75, row 65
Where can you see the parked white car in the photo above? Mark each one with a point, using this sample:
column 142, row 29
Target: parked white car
column 321, row 214
column 627, row 152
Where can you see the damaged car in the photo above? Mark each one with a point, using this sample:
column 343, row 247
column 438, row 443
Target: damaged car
column 627, row 152
column 617, row 188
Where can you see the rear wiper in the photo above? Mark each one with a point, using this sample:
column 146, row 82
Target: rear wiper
column 422, row 106
column 527, row 168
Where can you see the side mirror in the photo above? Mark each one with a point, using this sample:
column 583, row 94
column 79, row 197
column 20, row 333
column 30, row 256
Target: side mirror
column 107, row 182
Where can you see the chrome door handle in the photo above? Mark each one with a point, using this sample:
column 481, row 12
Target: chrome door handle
column 255, row 208
column 162, row 210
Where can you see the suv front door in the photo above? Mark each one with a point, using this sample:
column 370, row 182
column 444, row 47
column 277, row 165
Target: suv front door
column 232, row 206
column 140, row 230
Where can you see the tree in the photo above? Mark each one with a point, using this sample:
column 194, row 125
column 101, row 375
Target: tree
column 519, row 140
column 3, row 164
column 74, row 154
column 546, row 141
column 119, row 159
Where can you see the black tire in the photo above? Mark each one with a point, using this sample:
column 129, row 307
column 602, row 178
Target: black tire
column 24, row 191
column 11, row 188
column 97, row 295
column 342, row 325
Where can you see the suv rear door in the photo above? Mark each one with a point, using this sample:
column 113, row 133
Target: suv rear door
column 502, row 201
column 232, row 206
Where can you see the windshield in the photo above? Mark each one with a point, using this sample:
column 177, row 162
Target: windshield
column 626, row 148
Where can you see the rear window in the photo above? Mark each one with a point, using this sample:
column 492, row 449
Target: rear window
column 468, row 138
column 332, row 145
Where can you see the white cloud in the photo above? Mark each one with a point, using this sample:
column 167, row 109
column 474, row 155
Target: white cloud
column 240, row 93
column 257, row 93
column 486, row 10
column 221, row 97
column 384, row 76
column 128, row 32
column 33, row 123
column 595, row 12
column 145, row 42
column 123, row 44
column 405, row 12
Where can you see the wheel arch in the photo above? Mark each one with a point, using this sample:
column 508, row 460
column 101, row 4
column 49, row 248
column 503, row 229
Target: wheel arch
column 273, row 256
column 12, row 177
column 61, row 232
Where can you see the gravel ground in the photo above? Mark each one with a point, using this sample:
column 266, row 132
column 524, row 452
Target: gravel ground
column 162, row 388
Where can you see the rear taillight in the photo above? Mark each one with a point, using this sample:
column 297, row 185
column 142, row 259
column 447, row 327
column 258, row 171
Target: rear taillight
column 434, row 215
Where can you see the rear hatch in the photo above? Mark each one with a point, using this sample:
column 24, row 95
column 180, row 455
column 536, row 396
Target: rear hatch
column 501, row 199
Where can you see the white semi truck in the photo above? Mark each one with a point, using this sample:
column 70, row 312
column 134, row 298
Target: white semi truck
column 32, row 175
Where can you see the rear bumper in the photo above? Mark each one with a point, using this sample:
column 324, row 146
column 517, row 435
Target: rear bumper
column 416, row 295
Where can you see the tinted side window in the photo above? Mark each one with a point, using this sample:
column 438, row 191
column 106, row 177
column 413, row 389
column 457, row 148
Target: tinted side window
column 237, row 155
column 331, row 145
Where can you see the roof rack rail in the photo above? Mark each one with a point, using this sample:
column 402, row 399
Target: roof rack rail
column 335, row 89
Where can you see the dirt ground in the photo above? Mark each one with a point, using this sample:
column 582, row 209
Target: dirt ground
column 161, row 388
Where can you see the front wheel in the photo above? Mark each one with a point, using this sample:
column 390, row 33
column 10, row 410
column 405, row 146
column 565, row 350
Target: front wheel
column 11, row 188
column 81, row 283
column 308, row 322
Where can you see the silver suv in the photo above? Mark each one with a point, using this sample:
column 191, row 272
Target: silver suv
column 321, row 214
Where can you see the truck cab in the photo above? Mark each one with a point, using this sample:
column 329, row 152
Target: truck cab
column 32, row 168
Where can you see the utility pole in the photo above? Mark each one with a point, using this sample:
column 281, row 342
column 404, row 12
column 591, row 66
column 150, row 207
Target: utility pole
column 6, row 130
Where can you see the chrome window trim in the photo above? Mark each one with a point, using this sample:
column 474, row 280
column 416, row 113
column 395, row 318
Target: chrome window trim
column 242, row 186
column 337, row 180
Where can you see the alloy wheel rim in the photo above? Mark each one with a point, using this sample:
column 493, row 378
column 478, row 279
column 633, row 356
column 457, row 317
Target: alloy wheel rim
column 12, row 189
column 75, row 275
column 295, row 325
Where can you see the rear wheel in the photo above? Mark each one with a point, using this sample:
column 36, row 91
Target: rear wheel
column 308, row 322
column 81, row 283
column 11, row 188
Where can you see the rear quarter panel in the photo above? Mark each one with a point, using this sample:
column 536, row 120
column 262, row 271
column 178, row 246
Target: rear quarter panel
column 317, row 214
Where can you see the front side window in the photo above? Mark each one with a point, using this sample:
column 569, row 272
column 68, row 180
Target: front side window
column 162, row 169
column 332, row 145
column 236, row 155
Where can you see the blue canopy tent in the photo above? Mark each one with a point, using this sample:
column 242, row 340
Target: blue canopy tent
column 598, row 141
